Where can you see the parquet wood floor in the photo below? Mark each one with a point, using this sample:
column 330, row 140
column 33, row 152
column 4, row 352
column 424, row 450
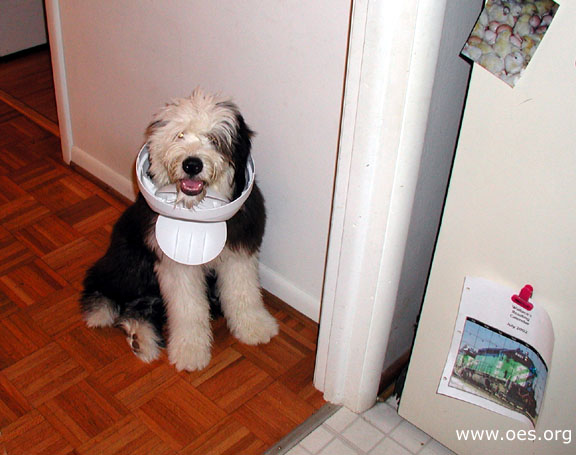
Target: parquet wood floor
column 26, row 82
column 66, row 389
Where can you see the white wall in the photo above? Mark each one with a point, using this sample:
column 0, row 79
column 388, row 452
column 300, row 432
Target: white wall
column 22, row 25
column 283, row 62
column 446, row 106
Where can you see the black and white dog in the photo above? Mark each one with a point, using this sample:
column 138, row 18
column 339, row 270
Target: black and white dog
column 196, row 143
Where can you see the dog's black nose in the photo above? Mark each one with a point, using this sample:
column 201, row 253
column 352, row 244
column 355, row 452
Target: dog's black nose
column 192, row 165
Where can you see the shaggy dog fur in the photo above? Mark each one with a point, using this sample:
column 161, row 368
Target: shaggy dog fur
column 197, row 142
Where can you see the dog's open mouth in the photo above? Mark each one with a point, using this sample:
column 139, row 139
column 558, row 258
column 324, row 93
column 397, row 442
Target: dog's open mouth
column 191, row 187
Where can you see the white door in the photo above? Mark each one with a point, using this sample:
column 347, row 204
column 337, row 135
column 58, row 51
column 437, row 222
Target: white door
column 510, row 217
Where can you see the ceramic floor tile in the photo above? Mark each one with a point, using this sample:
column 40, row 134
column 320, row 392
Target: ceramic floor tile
column 389, row 447
column 378, row 431
column 339, row 421
column 363, row 435
column 337, row 447
column 409, row 436
column 383, row 416
column 316, row 440
column 298, row 450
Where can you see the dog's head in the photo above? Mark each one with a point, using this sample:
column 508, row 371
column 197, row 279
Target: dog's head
column 197, row 143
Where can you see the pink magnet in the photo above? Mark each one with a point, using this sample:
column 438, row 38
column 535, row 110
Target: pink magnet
column 523, row 299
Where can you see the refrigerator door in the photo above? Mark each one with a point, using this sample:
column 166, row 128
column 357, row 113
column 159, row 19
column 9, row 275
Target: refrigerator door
column 510, row 217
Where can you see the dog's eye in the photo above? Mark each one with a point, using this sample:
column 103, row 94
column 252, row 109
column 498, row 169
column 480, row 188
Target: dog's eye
column 180, row 136
column 212, row 139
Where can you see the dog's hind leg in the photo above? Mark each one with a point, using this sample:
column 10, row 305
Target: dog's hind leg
column 142, row 321
column 142, row 337
column 98, row 310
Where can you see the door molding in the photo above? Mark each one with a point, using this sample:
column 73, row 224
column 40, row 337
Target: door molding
column 59, row 73
column 392, row 59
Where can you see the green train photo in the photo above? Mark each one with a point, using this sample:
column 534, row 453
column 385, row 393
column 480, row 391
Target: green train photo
column 506, row 374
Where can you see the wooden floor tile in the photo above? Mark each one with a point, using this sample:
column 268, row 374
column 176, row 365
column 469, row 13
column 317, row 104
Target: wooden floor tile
column 10, row 134
column 31, row 282
column 220, row 361
column 13, row 404
column 111, row 197
column 20, row 338
column 276, row 357
column 94, row 348
column 31, row 132
column 303, row 334
column 61, row 193
column 100, row 237
column 13, row 253
column 127, row 437
column 7, row 306
column 300, row 380
column 7, row 113
column 81, row 413
column 21, row 212
column 57, row 313
column 273, row 413
column 179, row 414
column 144, row 389
column 32, row 434
column 20, row 156
column 89, row 214
column 134, row 382
column 73, row 259
column 45, row 374
column 227, row 438
column 47, row 235
column 37, row 175
column 234, row 384
column 8, row 163
column 10, row 190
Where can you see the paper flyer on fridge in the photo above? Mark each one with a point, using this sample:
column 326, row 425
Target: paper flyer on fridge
column 501, row 352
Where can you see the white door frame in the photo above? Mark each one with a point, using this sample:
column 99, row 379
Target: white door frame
column 52, row 8
column 391, row 65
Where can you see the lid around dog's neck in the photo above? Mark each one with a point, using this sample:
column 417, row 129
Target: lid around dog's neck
column 211, row 209
column 194, row 235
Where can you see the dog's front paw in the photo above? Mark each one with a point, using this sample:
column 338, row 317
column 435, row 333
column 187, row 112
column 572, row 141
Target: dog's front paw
column 188, row 355
column 254, row 327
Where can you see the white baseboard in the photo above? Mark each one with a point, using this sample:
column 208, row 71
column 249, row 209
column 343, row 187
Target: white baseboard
column 102, row 172
column 289, row 293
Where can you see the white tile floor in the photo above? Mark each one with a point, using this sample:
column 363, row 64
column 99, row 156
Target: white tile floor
column 378, row 431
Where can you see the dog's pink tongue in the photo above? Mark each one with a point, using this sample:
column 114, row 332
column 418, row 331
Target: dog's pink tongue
column 191, row 187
